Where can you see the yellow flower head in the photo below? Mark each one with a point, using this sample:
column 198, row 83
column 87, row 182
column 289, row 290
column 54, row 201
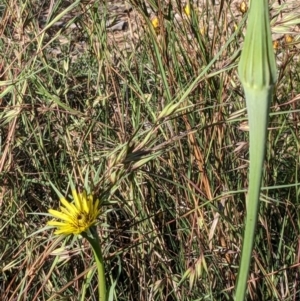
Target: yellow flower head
column 243, row 7
column 276, row 44
column 187, row 9
column 75, row 217
column 155, row 23
column 288, row 39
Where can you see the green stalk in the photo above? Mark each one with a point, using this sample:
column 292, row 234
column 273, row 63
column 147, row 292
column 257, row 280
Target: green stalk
column 95, row 243
column 257, row 123
column 257, row 71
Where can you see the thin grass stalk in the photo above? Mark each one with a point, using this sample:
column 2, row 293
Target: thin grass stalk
column 257, row 71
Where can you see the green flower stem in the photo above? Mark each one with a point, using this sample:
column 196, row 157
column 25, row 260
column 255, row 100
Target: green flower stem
column 257, row 116
column 95, row 243
column 257, row 71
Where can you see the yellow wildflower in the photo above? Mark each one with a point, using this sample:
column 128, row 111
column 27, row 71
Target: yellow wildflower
column 187, row 9
column 155, row 23
column 276, row 45
column 75, row 217
column 288, row 39
column 243, row 7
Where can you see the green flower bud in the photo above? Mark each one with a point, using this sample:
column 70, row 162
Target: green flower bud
column 257, row 67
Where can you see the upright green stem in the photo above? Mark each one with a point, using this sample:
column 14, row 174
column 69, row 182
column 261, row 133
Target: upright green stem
column 257, row 71
column 258, row 124
column 95, row 243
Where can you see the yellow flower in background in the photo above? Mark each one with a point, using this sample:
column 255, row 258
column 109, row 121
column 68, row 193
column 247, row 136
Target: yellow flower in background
column 155, row 23
column 75, row 217
column 187, row 9
column 243, row 7
column 276, row 45
column 288, row 39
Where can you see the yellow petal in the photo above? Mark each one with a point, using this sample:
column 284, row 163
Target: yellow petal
column 84, row 203
column 76, row 198
column 71, row 214
column 60, row 215
column 67, row 204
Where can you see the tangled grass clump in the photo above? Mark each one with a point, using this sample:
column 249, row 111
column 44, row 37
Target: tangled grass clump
column 161, row 124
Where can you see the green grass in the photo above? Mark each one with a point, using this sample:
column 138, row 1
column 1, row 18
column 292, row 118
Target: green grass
column 160, row 128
